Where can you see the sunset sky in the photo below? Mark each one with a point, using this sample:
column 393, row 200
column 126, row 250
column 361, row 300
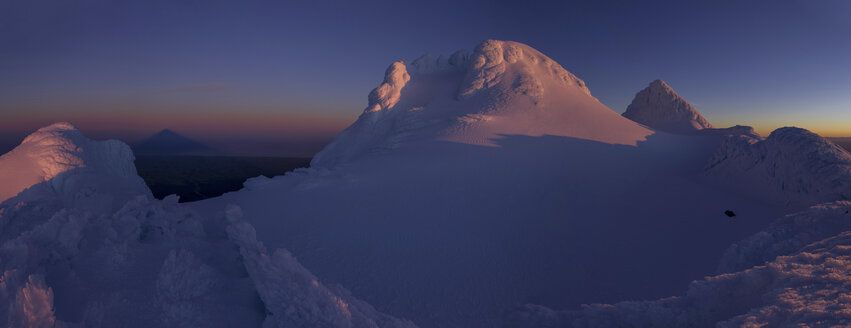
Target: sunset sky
column 287, row 70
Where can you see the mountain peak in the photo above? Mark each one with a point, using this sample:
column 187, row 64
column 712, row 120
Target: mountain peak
column 660, row 84
column 659, row 107
column 501, row 88
column 169, row 142
column 167, row 132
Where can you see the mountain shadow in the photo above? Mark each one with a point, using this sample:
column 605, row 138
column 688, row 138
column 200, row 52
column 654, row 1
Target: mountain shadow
column 168, row 142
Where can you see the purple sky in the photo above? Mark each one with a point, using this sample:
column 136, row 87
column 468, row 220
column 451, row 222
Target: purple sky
column 290, row 71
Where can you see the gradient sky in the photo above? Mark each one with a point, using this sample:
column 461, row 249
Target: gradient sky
column 303, row 69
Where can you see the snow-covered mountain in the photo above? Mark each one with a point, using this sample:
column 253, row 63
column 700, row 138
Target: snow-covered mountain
column 502, row 88
column 659, row 107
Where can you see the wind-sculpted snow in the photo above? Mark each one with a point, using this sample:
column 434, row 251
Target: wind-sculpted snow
column 491, row 59
column 787, row 236
column 154, row 263
column 427, row 64
column 33, row 307
column 58, row 159
column 661, row 108
column 292, row 295
column 146, row 262
column 501, row 88
column 793, row 167
column 386, row 95
column 804, row 283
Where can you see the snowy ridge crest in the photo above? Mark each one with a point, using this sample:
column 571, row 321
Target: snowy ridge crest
column 793, row 165
column 59, row 154
column 483, row 69
column 427, row 64
column 660, row 107
column 489, row 61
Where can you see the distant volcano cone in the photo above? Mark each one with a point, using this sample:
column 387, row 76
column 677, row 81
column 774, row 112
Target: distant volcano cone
column 168, row 142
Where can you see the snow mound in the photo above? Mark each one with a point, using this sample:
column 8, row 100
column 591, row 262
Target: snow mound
column 807, row 285
column 661, row 108
column 60, row 160
column 501, row 88
column 792, row 166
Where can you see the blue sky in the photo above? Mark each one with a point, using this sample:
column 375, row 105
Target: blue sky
column 306, row 67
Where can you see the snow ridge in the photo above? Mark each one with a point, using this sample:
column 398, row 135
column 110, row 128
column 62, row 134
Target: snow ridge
column 658, row 106
column 792, row 165
column 63, row 161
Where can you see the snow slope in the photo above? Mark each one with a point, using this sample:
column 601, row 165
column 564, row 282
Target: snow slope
column 661, row 108
column 473, row 183
column 792, row 166
column 87, row 246
column 804, row 283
